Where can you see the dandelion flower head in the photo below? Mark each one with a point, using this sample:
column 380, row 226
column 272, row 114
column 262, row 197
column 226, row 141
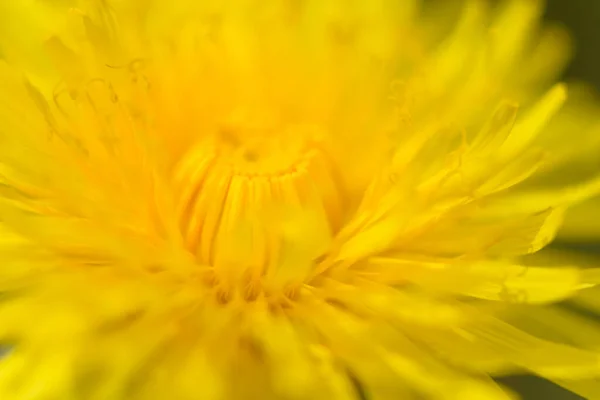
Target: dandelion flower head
column 286, row 199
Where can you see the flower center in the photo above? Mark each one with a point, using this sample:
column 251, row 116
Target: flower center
column 233, row 190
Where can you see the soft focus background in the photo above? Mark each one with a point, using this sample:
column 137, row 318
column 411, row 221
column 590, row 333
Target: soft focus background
column 582, row 17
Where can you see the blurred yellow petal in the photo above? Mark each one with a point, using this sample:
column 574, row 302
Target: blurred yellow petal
column 580, row 223
column 494, row 346
column 268, row 199
column 588, row 389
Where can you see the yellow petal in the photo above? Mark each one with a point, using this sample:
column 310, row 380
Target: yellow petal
column 530, row 125
column 580, row 223
column 516, row 234
column 587, row 389
column 502, row 281
column 511, row 30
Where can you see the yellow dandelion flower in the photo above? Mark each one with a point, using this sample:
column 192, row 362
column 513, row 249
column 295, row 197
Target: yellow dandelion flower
column 286, row 199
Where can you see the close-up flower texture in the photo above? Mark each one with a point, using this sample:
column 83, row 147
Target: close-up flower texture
column 292, row 199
